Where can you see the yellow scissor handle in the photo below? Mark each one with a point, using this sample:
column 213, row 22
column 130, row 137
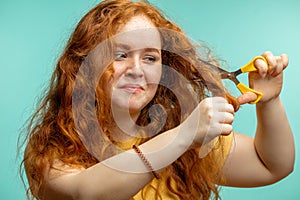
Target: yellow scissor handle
column 249, row 67
column 244, row 89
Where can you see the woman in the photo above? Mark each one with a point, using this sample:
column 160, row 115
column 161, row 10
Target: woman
column 133, row 113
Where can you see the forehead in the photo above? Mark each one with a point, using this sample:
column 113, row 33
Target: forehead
column 139, row 33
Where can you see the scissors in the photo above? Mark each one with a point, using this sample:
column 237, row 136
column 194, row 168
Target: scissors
column 249, row 67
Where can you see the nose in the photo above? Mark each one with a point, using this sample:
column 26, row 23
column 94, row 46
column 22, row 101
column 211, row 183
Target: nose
column 134, row 68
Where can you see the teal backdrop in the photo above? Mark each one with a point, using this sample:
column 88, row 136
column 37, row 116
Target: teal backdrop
column 33, row 34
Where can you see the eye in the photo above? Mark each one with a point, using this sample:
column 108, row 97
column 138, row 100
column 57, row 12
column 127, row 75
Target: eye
column 120, row 56
column 150, row 59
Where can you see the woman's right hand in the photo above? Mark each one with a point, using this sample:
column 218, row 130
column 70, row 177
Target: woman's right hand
column 215, row 118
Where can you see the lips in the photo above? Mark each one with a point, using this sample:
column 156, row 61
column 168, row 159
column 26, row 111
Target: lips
column 132, row 88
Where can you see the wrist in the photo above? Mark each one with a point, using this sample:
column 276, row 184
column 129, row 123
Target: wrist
column 271, row 103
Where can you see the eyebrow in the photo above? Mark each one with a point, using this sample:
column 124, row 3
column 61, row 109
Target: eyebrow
column 122, row 46
column 128, row 48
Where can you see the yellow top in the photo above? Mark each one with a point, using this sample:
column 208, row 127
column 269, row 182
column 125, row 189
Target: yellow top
column 149, row 191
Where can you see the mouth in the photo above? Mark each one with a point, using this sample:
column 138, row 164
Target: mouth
column 132, row 88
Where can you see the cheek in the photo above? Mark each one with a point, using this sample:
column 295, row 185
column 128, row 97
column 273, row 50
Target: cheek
column 116, row 75
column 117, row 71
column 153, row 74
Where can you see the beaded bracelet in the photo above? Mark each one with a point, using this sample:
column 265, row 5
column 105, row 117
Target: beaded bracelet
column 145, row 160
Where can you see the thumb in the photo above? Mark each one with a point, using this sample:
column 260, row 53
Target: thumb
column 247, row 98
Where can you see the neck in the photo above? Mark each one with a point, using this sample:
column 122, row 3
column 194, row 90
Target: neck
column 125, row 125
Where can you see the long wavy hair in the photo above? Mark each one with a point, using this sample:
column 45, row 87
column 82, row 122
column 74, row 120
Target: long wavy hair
column 54, row 133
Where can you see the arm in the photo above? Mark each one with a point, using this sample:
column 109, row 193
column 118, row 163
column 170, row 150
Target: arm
column 274, row 125
column 106, row 180
column 125, row 172
column 270, row 156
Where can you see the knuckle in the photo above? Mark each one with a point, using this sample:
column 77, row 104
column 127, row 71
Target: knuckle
column 210, row 115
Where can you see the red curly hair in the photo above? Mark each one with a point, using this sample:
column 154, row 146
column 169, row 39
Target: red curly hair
column 54, row 133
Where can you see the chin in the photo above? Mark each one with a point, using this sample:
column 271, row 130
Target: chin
column 131, row 107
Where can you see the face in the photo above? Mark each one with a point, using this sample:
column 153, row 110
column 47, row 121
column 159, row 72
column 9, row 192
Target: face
column 137, row 65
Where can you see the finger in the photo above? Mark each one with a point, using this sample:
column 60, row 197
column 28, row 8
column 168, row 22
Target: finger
column 219, row 100
column 213, row 101
column 226, row 118
column 272, row 62
column 285, row 60
column 226, row 108
column 229, row 108
column 219, row 104
column 278, row 68
column 262, row 67
column 247, row 98
column 226, row 129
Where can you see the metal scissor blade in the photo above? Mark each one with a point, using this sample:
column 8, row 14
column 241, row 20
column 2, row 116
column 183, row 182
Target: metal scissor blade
column 220, row 71
column 223, row 73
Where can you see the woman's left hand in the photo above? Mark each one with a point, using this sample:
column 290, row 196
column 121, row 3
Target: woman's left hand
column 268, row 79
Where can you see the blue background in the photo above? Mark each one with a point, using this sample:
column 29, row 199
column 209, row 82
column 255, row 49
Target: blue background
column 33, row 34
